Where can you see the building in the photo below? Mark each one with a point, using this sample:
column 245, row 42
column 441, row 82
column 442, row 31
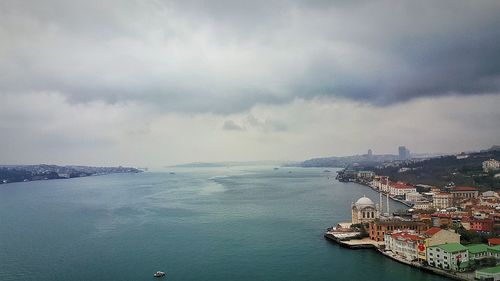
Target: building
column 366, row 175
column 441, row 220
column 490, row 273
column 493, row 241
column 464, row 192
column 436, row 236
column 422, row 205
column 482, row 225
column 491, row 165
column 378, row 228
column 442, row 200
column 477, row 251
column 400, row 189
column 451, row 256
column 370, row 154
column 404, row 153
column 364, row 211
column 494, row 251
column 403, row 243
column 413, row 197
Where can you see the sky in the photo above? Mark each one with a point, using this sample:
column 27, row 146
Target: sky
column 153, row 83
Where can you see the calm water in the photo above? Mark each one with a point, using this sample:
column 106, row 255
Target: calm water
column 239, row 223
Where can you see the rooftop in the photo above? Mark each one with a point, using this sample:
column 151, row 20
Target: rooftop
column 452, row 247
column 494, row 249
column 464, row 188
column 491, row 270
column 407, row 236
column 477, row 248
column 433, row 231
column 494, row 241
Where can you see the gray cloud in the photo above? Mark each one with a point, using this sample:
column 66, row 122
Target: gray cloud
column 227, row 56
column 230, row 125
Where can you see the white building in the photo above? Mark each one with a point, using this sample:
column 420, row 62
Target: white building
column 404, row 244
column 401, row 189
column 442, row 200
column 450, row 256
column 491, row 165
column 422, row 205
column 414, row 197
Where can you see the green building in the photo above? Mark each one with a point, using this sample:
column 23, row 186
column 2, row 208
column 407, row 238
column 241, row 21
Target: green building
column 490, row 273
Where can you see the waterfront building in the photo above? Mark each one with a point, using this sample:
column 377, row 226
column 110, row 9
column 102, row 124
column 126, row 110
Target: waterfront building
column 380, row 183
column 491, row 165
column 436, row 236
column 404, row 243
column 442, row 200
column 464, row 192
column 366, row 175
column 364, row 211
column 494, row 251
column 477, row 251
column 490, row 273
column 400, row 189
column 451, row 256
column 413, row 197
column 379, row 227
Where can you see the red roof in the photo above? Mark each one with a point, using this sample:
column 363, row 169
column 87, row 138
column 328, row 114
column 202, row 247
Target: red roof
column 441, row 215
column 494, row 241
column 401, row 185
column 432, row 231
column 464, row 188
column 406, row 236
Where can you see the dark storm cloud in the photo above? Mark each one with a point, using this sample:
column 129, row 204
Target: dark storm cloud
column 227, row 56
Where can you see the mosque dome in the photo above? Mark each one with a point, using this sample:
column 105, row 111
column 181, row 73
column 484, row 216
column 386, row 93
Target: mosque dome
column 364, row 201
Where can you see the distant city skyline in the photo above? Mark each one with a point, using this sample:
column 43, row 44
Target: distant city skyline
column 154, row 83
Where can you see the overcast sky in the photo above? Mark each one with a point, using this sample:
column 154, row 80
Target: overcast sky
column 163, row 82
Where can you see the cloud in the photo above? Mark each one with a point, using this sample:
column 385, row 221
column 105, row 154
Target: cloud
column 225, row 57
column 230, row 125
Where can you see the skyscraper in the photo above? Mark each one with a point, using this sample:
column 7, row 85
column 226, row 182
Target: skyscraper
column 404, row 153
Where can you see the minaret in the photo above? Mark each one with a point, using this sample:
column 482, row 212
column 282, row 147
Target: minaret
column 381, row 206
column 389, row 214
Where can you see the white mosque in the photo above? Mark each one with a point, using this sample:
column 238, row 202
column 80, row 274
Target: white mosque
column 364, row 211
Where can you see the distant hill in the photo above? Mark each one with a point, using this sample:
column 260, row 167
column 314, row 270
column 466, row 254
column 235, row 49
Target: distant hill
column 18, row 173
column 465, row 169
column 342, row 162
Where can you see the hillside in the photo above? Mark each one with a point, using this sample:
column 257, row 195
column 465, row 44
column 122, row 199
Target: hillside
column 440, row 171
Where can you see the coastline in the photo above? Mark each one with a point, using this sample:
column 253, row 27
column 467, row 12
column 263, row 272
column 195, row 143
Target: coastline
column 366, row 243
column 361, row 245
column 406, row 203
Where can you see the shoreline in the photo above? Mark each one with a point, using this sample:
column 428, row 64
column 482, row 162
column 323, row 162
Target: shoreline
column 409, row 205
column 394, row 258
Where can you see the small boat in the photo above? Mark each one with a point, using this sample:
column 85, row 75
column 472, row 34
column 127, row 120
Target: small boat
column 159, row 274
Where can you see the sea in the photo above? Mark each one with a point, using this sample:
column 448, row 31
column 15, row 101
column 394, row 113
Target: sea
column 196, row 224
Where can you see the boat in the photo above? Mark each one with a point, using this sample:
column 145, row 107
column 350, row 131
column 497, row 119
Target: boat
column 159, row 274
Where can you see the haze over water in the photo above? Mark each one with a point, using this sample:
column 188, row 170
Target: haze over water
column 237, row 223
